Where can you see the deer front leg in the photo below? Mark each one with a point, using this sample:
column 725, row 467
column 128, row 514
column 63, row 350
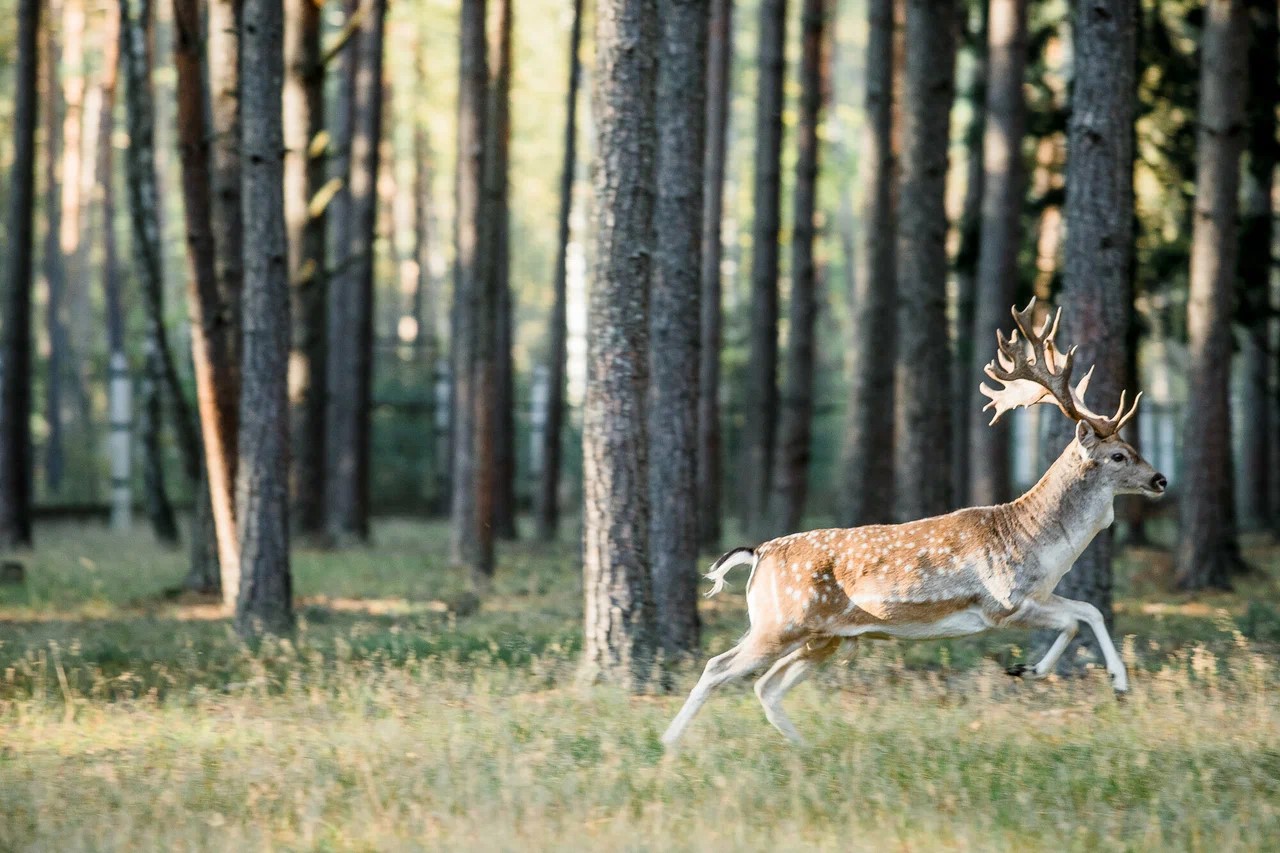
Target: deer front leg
column 1065, row 614
column 1091, row 616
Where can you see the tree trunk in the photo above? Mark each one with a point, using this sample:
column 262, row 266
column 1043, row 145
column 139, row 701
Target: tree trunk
column 674, row 323
column 1003, row 190
column 1206, row 546
column 1261, row 494
column 222, row 424
column 922, row 412
column 762, row 367
column 15, row 343
column 262, row 485
column 497, row 158
column 425, row 307
column 866, row 492
column 55, row 272
column 719, row 68
column 208, row 344
column 304, row 180
column 135, row 19
column 1099, row 242
column 621, row 636
column 350, row 350
column 791, row 476
column 548, row 504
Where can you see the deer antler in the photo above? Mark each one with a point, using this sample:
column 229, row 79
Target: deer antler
column 1037, row 372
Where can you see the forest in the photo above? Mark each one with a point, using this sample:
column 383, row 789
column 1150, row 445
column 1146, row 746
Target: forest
column 381, row 383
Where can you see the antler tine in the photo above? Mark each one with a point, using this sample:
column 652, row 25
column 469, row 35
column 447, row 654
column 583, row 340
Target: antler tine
column 1133, row 410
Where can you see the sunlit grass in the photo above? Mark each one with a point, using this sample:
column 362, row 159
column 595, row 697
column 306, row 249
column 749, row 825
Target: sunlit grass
column 132, row 720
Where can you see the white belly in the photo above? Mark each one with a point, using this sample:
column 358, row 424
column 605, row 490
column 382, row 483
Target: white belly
column 960, row 624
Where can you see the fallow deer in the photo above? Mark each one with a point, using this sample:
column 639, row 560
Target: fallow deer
column 949, row 576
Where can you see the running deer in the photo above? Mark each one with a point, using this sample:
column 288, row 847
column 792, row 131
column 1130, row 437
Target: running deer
column 950, row 576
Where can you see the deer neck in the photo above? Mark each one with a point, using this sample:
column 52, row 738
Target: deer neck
column 1060, row 515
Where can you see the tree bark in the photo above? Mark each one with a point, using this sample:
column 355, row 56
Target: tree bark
column 262, row 485
column 548, row 504
column 497, row 159
column 791, row 476
column 1099, row 242
column 675, row 322
column 1261, row 494
column 304, row 180
column 922, row 411
column 1206, row 536
column 55, row 271
column 15, row 342
column 866, row 486
column 719, row 69
column 350, row 349
column 762, row 366
column 1004, row 186
column 621, row 638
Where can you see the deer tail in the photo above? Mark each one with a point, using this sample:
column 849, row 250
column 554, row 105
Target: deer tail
column 721, row 567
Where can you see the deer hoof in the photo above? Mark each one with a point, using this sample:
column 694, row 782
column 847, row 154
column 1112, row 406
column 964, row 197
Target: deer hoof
column 1020, row 670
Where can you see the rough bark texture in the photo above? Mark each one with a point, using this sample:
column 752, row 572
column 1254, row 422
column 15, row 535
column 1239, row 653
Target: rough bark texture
column 55, row 269
column 719, row 67
column 222, row 432
column 791, row 474
column 15, row 342
column 1003, row 188
column 471, row 538
column 548, row 502
column 350, row 349
column 866, row 486
column 675, row 321
column 497, row 158
column 1261, row 494
column 1099, row 242
column 922, row 410
column 620, row 632
column 1206, row 545
column 304, row 179
column 762, row 366
column 135, row 17
column 262, row 484
column 208, row 349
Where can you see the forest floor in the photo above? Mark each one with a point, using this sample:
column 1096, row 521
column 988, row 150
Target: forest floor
column 132, row 718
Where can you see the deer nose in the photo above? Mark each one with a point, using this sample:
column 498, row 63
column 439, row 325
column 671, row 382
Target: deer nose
column 1158, row 482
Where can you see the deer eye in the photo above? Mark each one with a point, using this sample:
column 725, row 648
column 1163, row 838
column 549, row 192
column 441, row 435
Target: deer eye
column 1117, row 457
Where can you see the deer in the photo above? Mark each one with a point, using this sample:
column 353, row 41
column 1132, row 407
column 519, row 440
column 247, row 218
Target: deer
column 964, row 573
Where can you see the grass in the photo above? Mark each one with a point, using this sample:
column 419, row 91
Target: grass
column 131, row 720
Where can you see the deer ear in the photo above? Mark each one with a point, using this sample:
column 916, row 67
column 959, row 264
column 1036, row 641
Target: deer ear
column 1085, row 435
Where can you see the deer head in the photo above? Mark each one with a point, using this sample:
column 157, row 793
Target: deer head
column 1033, row 371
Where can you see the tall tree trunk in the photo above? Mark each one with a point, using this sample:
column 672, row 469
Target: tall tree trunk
column 222, row 425
column 304, row 179
column 866, row 492
column 496, row 162
column 426, row 305
column 719, row 67
column 922, row 412
column 621, row 635
column 966, row 260
column 1003, row 190
column 548, row 503
column 1099, row 240
column 674, row 323
column 1261, row 493
column 1206, row 546
column 791, row 476
column 119, row 382
column 77, row 177
column 471, row 535
column 762, row 369
column 208, row 344
column 262, row 485
column 15, row 342
column 350, row 349
column 135, row 20
column 55, row 272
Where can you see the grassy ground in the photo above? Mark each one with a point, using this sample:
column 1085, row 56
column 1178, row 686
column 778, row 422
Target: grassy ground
column 129, row 719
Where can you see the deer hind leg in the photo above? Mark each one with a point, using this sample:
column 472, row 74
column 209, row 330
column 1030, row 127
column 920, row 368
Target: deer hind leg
column 749, row 655
column 787, row 673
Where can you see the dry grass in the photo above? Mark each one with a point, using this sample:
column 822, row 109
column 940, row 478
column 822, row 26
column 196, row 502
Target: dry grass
column 128, row 721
